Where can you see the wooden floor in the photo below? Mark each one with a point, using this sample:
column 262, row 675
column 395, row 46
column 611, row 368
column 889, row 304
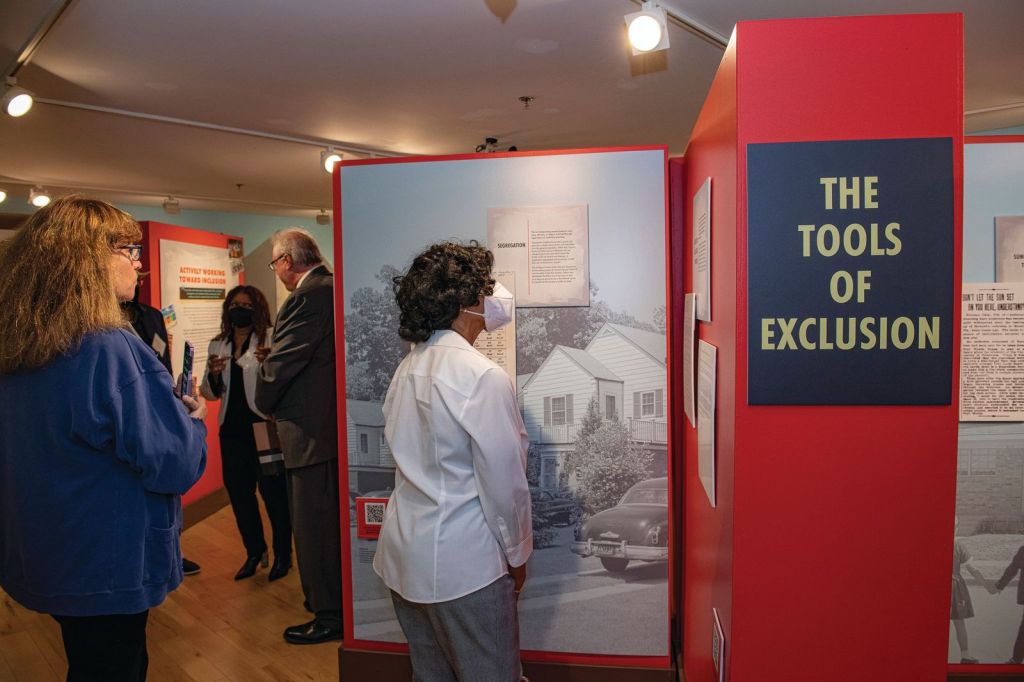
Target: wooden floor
column 209, row 629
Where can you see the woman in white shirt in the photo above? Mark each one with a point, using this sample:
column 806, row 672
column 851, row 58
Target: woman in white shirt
column 457, row 530
column 232, row 365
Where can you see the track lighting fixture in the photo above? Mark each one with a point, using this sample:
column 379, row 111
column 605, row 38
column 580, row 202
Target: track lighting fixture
column 328, row 158
column 490, row 146
column 3, row 196
column 648, row 28
column 17, row 101
column 323, row 217
column 38, row 196
column 171, row 206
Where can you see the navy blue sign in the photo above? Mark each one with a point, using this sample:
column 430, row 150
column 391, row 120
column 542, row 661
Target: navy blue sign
column 850, row 272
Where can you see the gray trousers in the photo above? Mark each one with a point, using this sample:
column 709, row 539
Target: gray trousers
column 313, row 500
column 470, row 639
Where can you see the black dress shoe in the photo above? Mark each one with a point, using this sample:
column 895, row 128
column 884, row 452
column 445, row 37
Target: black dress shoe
column 248, row 569
column 313, row 632
column 280, row 568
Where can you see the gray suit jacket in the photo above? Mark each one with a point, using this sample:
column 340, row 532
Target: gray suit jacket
column 296, row 383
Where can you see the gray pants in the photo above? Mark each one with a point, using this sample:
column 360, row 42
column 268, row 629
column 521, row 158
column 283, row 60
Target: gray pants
column 470, row 639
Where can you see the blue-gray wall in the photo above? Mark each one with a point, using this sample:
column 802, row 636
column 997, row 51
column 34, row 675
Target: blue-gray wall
column 253, row 228
column 993, row 182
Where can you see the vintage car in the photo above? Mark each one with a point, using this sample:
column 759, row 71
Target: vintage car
column 552, row 508
column 634, row 530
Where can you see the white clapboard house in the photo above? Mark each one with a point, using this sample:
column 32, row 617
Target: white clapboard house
column 370, row 464
column 623, row 367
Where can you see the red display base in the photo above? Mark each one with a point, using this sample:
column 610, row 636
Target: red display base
column 362, row 664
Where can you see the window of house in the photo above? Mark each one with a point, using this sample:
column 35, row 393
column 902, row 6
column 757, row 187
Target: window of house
column 647, row 404
column 558, row 411
column 364, row 443
column 609, row 407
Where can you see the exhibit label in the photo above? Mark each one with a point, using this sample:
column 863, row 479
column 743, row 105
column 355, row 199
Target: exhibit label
column 547, row 247
column 992, row 352
column 850, row 272
column 1010, row 248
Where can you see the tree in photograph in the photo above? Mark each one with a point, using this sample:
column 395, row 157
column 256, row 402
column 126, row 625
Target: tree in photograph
column 373, row 347
column 605, row 462
column 585, row 430
column 660, row 318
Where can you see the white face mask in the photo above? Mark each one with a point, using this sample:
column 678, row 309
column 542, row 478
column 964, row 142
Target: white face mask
column 498, row 308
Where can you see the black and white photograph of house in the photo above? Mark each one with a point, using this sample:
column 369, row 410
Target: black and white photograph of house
column 591, row 382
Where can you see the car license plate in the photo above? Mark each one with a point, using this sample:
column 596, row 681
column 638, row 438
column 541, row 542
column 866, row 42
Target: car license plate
column 605, row 550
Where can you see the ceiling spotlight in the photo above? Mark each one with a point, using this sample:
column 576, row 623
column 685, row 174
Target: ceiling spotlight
column 328, row 158
column 648, row 28
column 3, row 196
column 323, row 218
column 17, row 101
column 38, row 197
column 171, row 206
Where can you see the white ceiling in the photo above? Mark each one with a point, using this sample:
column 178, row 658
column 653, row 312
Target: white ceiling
column 395, row 76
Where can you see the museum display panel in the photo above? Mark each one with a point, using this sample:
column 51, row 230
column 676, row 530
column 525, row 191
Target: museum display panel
column 190, row 271
column 580, row 238
column 985, row 609
column 824, row 550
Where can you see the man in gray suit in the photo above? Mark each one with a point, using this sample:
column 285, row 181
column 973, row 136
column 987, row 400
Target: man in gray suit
column 296, row 385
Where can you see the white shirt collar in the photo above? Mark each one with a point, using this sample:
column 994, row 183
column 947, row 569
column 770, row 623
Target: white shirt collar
column 450, row 338
column 305, row 275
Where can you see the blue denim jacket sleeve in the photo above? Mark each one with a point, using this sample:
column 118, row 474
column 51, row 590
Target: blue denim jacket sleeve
column 156, row 436
column 134, row 413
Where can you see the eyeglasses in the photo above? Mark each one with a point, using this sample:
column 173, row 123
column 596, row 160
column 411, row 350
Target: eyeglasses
column 132, row 251
column 271, row 263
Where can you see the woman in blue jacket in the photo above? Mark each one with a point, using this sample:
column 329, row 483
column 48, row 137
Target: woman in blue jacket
column 95, row 449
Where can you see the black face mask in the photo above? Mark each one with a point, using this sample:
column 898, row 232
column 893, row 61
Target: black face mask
column 240, row 317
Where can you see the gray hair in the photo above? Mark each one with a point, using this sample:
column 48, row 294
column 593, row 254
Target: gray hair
column 299, row 244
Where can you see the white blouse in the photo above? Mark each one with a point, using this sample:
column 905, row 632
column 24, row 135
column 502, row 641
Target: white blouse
column 250, row 369
column 460, row 511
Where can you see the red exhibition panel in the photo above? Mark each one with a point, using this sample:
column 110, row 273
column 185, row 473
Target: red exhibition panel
column 828, row 555
column 152, row 233
column 708, row 533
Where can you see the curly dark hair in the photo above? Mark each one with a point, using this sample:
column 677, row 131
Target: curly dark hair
column 260, row 313
column 441, row 281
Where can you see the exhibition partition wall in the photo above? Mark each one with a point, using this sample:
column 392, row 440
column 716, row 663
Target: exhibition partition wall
column 579, row 237
column 985, row 622
column 823, row 181
column 190, row 271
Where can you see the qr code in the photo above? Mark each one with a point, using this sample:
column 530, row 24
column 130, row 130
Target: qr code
column 373, row 513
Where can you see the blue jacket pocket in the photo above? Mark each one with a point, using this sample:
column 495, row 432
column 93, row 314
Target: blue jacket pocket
column 161, row 550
